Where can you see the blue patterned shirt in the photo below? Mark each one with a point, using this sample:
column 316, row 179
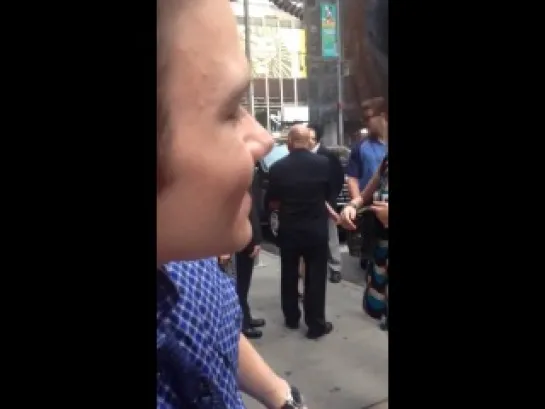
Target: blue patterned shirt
column 198, row 327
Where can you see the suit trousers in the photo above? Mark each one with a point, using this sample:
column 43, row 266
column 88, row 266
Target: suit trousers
column 244, row 271
column 334, row 248
column 315, row 258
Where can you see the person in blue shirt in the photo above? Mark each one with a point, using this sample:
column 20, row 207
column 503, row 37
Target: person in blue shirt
column 375, row 296
column 367, row 155
column 207, row 144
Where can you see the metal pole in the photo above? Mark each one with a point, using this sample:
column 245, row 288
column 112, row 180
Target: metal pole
column 295, row 96
column 268, row 106
column 279, row 56
column 340, row 120
column 248, row 50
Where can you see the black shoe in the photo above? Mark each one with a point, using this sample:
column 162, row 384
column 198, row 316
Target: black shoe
column 315, row 334
column 384, row 324
column 335, row 277
column 257, row 322
column 292, row 325
column 252, row 333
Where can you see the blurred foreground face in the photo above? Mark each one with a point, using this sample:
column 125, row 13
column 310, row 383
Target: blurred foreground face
column 207, row 151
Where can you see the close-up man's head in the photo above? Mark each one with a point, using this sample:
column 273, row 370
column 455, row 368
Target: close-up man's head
column 299, row 137
column 374, row 112
column 207, row 143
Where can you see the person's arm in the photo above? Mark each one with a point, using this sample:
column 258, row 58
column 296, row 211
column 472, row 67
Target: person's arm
column 337, row 175
column 381, row 210
column 353, row 185
column 329, row 191
column 353, row 171
column 332, row 213
column 348, row 214
column 367, row 193
column 327, row 177
column 257, row 379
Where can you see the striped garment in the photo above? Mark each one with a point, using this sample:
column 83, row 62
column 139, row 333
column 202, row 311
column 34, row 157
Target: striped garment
column 375, row 297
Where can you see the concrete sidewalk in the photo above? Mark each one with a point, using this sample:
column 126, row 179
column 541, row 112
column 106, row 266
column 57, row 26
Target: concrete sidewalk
column 347, row 369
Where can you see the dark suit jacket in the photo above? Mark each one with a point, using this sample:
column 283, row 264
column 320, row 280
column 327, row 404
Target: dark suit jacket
column 300, row 183
column 257, row 236
column 336, row 174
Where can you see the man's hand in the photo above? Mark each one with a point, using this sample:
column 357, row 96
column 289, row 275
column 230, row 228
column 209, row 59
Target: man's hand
column 381, row 210
column 276, row 397
column 257, row 379
column 255, row 251
column 348, row 215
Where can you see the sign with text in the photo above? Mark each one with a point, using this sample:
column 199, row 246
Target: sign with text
column 328, row 16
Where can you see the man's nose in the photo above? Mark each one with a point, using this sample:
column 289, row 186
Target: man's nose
column 260, row 141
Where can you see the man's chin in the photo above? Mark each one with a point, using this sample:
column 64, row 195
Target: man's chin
column 243, row 235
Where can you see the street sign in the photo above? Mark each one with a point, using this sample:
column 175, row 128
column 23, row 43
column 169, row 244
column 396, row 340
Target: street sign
column 328, row 17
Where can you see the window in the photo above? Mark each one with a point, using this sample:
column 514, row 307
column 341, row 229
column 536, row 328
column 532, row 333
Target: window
column 287, row 88
column 271, row 21
column 274, row 90
column 302, row 88
column 285, row 23
column 256, row 21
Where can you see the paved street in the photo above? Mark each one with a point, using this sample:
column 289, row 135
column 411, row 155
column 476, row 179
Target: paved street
column 347, row 369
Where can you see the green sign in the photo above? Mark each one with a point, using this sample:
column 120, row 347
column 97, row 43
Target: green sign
column 328, row 18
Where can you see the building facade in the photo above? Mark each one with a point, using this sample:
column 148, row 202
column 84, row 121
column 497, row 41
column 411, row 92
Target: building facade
column 278, row 53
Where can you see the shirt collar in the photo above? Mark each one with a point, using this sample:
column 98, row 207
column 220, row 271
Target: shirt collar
column 316, row 147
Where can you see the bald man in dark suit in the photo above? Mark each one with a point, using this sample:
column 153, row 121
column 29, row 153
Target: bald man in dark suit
column 300, row 183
